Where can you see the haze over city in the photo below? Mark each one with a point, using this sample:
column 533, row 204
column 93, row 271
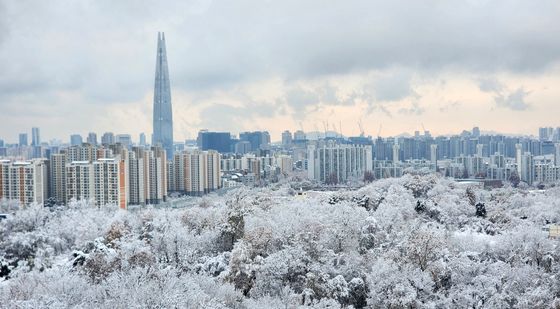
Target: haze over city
column 87, row 66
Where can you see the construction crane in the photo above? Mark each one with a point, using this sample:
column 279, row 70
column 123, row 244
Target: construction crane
column 361, row 127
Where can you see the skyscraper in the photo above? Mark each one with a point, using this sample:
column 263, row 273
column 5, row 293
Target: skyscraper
column 108, row 138
column 219, row 141
column 163, row 115
column 75, row 139
column 22, row 139
column 92, row 138
column 142, row 139
column 35, row 137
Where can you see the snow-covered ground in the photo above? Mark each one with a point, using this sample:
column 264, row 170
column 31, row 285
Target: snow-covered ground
column 417, row 241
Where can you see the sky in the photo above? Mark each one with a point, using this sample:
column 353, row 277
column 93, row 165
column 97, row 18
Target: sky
column 88, row 66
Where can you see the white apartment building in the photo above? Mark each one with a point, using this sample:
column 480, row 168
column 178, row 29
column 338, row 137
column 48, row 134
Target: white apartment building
column 146, row 175
column 338, row 161
column 25, row 181
column 102, row 181
column 285, row 163
column 79, row 181
column 546, row 173
column 195, row 172
column 57, row 177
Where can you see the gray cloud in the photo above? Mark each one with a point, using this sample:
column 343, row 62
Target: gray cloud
column 514, row 100
column 490, row 85
column 299, row 98
column 450, row 106
column 102, row 52
column 394, row 87
column 413, row 109
column 220, row 116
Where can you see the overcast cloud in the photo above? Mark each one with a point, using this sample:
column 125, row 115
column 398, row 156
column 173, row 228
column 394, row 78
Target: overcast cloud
column 79, row 66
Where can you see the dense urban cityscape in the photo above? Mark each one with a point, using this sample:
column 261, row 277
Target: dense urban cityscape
column 256, row 215
column 116, row 170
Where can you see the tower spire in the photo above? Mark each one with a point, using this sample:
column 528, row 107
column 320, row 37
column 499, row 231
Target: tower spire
column 162, row 113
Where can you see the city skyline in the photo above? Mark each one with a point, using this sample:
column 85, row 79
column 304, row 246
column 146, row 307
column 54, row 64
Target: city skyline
column 496, row 73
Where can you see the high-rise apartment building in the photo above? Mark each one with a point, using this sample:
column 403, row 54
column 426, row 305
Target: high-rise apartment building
column 147, row 176
column 26, row 181
column 79, row 181
column 83, row 152
column 162, row 110
column 285, row 163
column 102, row 182
column 396, row 153
column 286, row 138
column 527, row 169
column 337, row 163
column 195, row 172
column 557, row 154
column 57, row 177
column 518, row 157
column 433, row 154
column 546, row 133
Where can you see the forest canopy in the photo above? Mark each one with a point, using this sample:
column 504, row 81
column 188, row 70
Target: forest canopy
column 416, row 241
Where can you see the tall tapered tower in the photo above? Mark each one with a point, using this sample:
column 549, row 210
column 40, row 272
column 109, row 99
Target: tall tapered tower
column 163, row 113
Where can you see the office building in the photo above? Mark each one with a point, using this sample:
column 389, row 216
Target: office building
column 23, row 140
column 287, row 138
column 162, row 109
column 108, row 138
column 124, row 139
column 75, row 139
column 257, row 139
column 242, row 147
column 299, row 136
column 142, row 139
column 219, row 141
column 35, row 137
column 92, row 138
